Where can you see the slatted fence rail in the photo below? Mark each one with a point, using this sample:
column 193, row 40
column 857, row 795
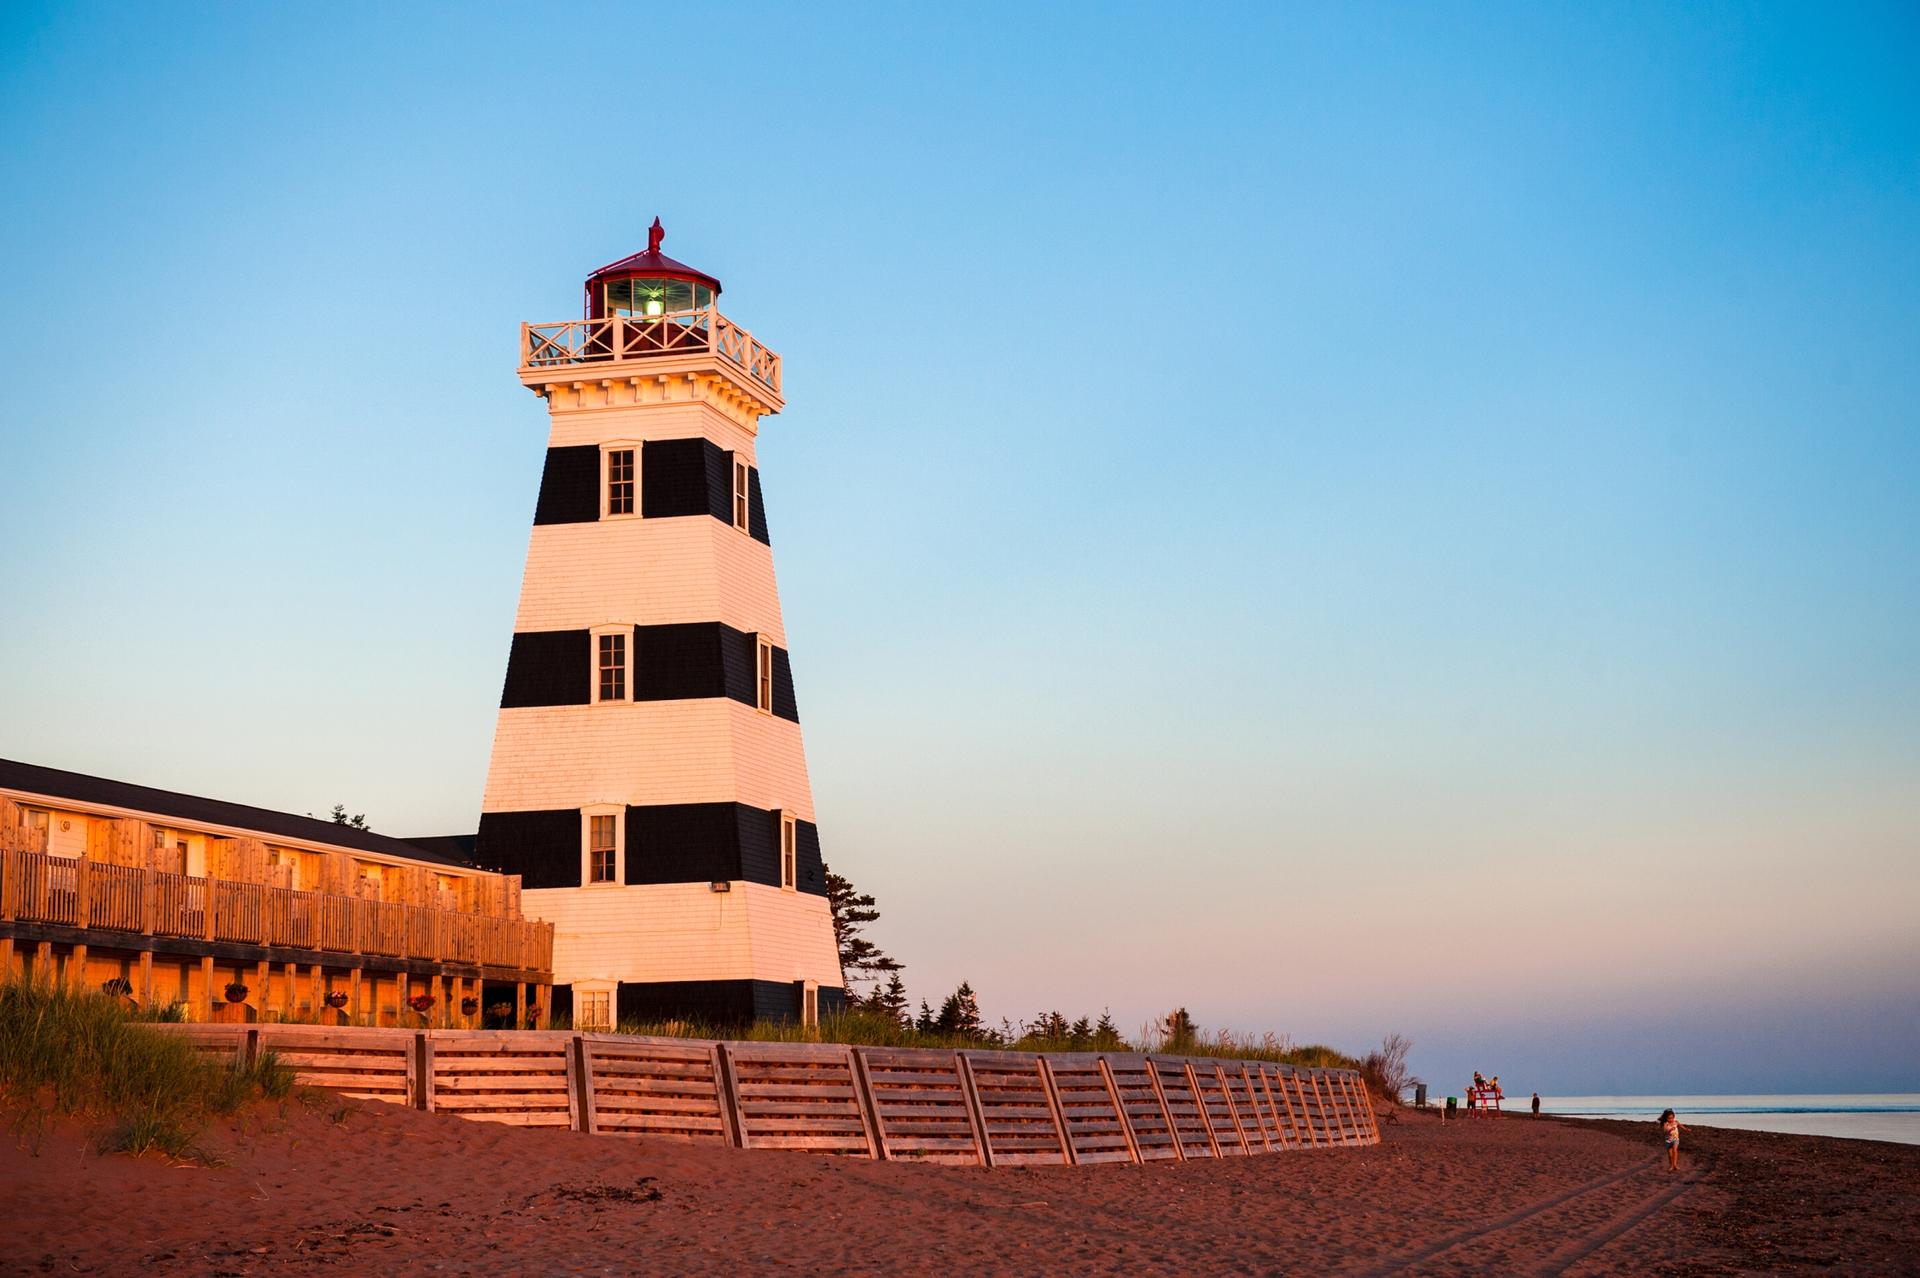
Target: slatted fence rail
column 982, row 1108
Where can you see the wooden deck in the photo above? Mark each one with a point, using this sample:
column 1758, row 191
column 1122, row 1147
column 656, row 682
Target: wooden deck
column 104, row 904
column 984, row 1108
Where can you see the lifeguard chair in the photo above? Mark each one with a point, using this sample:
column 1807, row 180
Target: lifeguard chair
column 1483, row 1101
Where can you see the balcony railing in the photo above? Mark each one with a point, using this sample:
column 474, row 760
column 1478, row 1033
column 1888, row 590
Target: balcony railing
column 619, row 337
column 36, row 887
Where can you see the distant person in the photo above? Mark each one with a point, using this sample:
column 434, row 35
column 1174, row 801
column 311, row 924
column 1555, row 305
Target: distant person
column 1536, row 1104
column 1672, row 1127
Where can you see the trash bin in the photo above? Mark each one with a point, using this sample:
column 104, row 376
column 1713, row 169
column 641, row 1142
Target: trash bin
column 1419, row 1095
column 1453, row 1103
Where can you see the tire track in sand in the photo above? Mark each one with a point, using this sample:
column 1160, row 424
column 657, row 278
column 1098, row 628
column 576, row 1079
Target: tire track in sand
column 1587, row 1242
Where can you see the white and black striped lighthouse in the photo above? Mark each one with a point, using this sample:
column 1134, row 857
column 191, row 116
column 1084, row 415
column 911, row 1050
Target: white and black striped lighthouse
column 648, row 781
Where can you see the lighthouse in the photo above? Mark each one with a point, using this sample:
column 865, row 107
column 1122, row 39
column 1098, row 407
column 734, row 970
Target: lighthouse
column 648, row 781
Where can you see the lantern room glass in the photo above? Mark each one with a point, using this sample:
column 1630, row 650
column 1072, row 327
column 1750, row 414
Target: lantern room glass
column 643, row 297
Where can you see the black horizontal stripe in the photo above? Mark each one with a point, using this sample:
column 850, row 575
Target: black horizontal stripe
column 678, row 478
column 681, row 662
column 548, row 668
column 666, row 843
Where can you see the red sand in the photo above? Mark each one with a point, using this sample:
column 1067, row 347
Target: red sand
column 346, row 1188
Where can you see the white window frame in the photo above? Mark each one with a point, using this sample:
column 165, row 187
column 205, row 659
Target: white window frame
column 618, row 812
column 789, row 851
column 606, row 477
column 763, row 673
column 810, row 1004
column 742, row 494
column 608, row 990
column 594, row 636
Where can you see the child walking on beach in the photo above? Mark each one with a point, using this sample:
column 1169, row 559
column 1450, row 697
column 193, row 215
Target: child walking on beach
column 1672, row 1127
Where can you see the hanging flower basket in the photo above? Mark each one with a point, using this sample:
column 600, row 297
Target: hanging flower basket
column 421, row 1003
column 236, row 992
column 337, row 1000
column 468, row 1006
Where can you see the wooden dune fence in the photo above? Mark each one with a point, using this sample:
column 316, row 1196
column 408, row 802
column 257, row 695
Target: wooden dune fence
column 984, row 1108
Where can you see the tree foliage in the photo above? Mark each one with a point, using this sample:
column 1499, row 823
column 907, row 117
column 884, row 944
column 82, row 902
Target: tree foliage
column 860, row 959
column 358, row 821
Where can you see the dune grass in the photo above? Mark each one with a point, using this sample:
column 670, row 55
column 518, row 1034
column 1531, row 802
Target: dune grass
column 869, row 1029
column 66, row 1052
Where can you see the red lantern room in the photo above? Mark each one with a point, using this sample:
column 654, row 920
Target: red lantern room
column 649, row 284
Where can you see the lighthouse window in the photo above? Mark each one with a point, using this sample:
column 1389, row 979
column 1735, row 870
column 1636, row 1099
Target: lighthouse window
column 789, row 850
column 763, row 675
column 620, row 481
column 601, row 849
column 613, row 667
column 740, row 494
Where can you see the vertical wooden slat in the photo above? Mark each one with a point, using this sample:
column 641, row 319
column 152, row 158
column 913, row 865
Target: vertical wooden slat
column 1166, row 1110
column 1200, row 1106
column 870, row 1114
column 583, row 1085
column 972, row 1091
column 1052, row 1089
column 1120, row 1108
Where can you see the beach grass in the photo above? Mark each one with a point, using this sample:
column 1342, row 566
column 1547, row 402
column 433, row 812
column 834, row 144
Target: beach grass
column 67, row 1052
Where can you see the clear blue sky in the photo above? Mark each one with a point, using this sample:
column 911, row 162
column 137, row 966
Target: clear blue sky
column 1384, row 518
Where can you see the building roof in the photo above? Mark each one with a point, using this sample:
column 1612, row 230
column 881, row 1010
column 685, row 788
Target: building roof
column 79, row 788
column 651, row 261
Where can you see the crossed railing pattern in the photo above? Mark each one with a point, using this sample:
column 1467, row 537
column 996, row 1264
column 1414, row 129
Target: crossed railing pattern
column 38, row 887
column 619, row 337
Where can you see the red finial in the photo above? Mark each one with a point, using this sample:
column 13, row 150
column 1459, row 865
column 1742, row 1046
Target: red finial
column 655, row 234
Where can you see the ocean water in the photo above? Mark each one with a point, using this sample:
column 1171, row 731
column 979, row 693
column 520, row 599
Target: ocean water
column 1892, row 1116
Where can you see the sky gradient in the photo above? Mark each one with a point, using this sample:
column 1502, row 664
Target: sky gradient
column 1358, row 521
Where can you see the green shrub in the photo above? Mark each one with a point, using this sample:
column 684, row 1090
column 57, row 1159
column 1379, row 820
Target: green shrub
column 66, row 1052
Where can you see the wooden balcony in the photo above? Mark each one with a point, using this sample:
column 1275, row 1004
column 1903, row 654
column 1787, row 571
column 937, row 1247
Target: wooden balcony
column 617, row 339
column 127, row 906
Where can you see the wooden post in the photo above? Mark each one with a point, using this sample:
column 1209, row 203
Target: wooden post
column 1200, row 1107
column 1120, row 1108
column 291, row 1010
column 1052, row 1089
column 1166, row 1110
column 206, row 977
column 77, row 967
column 317, row 977
column 974, row 1112
column 6, row 958
column 83, row 889
column 211, row 888
column 148, row 890
column 1233, row 1110
column 146, row 978
column 353, row 997
column 263, row 973
column 422, row 1071
column 519, row 1004
column 403, row 993
column 43, row 963
column 544, row 1007
column 583, row 1084
column 869, row 1108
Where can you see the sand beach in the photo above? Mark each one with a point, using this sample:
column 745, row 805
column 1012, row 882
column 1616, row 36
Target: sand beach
column 323, row 1186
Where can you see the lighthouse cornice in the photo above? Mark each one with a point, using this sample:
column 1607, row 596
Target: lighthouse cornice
column 611, row 387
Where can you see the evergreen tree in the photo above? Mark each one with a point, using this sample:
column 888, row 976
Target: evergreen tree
column 1080, row 1035
column 890, row 1000
column 860, row 959
column 960, row 1014
column 1180, row 1031
column 925, row 1022
column 1106, row 1035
